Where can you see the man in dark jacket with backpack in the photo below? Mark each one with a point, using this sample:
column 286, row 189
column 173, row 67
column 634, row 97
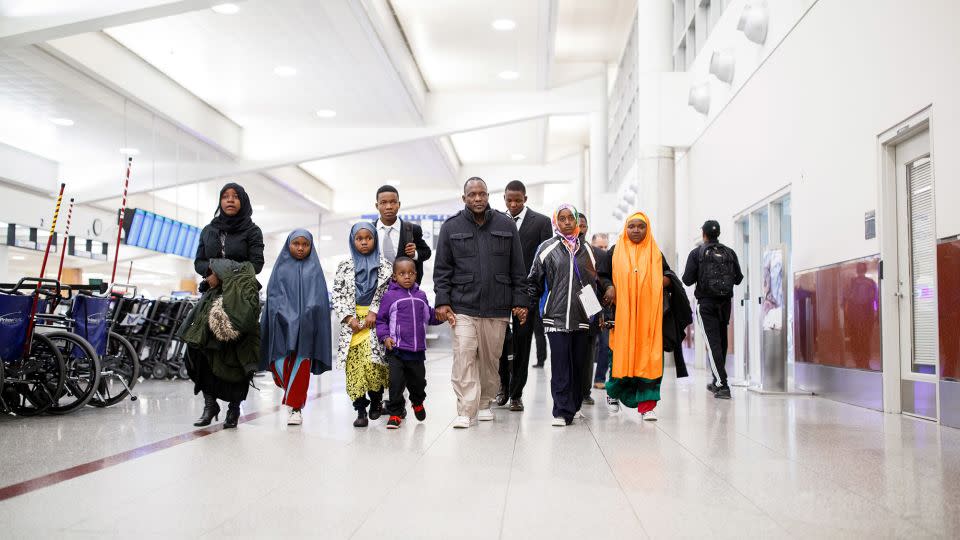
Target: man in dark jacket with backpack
column 714, row 268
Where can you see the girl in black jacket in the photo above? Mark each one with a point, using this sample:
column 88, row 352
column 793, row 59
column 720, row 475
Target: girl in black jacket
column 231, row 235
column 565, row 266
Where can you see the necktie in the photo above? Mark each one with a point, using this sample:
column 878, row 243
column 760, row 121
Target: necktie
column 389, row 250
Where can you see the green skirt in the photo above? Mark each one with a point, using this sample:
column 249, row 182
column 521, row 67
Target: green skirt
column 632, row 391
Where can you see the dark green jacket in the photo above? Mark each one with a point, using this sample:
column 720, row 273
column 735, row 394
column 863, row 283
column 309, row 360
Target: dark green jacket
column 236, row 358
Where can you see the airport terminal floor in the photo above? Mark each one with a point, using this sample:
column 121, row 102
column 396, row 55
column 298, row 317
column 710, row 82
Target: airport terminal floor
column 751, row 467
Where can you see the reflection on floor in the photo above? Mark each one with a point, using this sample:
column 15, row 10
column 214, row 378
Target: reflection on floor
column 752, row 467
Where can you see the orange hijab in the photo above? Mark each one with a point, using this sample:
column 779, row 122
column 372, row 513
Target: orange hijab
column 637, row 338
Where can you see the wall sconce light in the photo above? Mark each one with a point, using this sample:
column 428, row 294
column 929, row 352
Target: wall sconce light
column 754, row 21
column 699, row 98
column 630, row 197
column 721, row 65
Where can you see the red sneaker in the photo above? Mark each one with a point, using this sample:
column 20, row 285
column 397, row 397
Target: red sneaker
column 420, row 412
column 394, row 422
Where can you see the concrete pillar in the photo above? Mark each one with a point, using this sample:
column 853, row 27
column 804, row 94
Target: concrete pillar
column 5, row 276
column 655, row 163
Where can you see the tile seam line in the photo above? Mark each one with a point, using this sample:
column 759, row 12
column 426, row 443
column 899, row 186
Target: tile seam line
column 617, row 479
column 399, row 481
column 723, row 479
column 57, row 477
column 506, row 494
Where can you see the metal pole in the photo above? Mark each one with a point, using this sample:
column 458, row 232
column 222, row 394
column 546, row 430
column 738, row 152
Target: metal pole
column 123, row 208
column 66, row 238
column 43, row 270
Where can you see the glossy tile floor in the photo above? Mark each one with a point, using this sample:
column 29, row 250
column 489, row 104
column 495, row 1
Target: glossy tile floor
column 753, row 467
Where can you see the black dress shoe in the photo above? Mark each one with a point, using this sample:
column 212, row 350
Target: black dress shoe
column 501, row 398
column 233, row 416
column 361, row 420
column 722, row 393
column 516, row 405
column 538, row 365
column 712, row 388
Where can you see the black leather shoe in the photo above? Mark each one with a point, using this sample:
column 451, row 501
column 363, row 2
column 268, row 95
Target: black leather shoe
column 211, row 411
column 538, row 365
column 712, row 388
column 233, row 416
column 502, row 398
column 361, row 420
column 722, row 393
column 516, row 405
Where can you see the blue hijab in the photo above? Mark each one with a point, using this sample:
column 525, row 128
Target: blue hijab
column 366, row 268
column 296, row 317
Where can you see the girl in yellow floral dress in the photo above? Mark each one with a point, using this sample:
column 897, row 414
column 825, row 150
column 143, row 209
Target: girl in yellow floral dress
column 358, row 287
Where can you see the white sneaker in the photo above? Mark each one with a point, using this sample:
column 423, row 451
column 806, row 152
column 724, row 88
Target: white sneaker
column 579, row 415
column 296, row 418
column 559, row 422
column 463, row 422
column 650, row 416
column 613, row 405
column 485, row 415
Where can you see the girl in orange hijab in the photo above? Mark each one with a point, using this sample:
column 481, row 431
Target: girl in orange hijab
column 634, row 277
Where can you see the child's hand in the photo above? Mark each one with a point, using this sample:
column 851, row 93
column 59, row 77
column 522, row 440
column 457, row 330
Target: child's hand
column 371, row 320
column 389, row 343
column 354, row 325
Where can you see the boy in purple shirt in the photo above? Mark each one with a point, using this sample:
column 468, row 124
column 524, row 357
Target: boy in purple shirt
column 402, row 327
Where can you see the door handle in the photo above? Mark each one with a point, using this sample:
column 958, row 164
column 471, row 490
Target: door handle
column 760, row 301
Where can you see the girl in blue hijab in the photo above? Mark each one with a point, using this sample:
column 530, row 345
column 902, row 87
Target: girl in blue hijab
column 295, row 329
column 358, row 287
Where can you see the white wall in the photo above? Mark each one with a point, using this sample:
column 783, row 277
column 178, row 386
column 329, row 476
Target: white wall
column 810, row 116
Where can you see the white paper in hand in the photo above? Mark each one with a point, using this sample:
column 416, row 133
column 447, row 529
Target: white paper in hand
column 588, row 299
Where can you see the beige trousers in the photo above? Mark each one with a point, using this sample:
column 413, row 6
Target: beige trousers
column 477, row 344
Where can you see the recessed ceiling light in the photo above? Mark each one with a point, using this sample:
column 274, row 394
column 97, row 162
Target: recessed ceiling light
column 518, row 157
column 285, row 71
column 504, row 25
column 129, row 151
column 326, row 113
column 509, row 75
column 62, row 121
column 226, row 9
column 259, row 207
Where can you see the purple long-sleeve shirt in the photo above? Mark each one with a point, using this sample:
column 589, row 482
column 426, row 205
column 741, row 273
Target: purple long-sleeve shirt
column 404, row 315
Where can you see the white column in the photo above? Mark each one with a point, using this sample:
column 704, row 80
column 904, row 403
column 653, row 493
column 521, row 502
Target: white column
column 655, row 167
column 600, row 220
column 5, row 277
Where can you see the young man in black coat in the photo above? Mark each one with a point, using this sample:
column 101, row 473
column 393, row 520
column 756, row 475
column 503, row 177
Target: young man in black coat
column 479, row 282
column 714, row 268
column 534, row 229
column 397, row 237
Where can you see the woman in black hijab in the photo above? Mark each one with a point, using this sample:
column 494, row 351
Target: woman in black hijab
column 231, row 235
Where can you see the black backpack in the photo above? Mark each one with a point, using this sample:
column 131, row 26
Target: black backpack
column 718, row 270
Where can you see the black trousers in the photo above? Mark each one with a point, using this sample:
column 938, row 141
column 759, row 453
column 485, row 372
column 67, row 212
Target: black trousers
column 714, row 316
column 405, row 375
column 362, row 402
column 586, row 376
column 537, row 322
column 568, row 353
column 513, row 375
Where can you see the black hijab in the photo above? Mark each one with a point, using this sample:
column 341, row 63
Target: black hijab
column 240, row 222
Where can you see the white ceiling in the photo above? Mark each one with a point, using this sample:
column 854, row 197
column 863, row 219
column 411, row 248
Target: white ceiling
column 457, row 48
column 416, row 169
column 592, row 31
column 229, row 60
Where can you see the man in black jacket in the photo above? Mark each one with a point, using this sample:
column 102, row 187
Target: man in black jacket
column 397, row 237
column 586, row 378
column 479, row 282
column 534, row 229
column 715, row 270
